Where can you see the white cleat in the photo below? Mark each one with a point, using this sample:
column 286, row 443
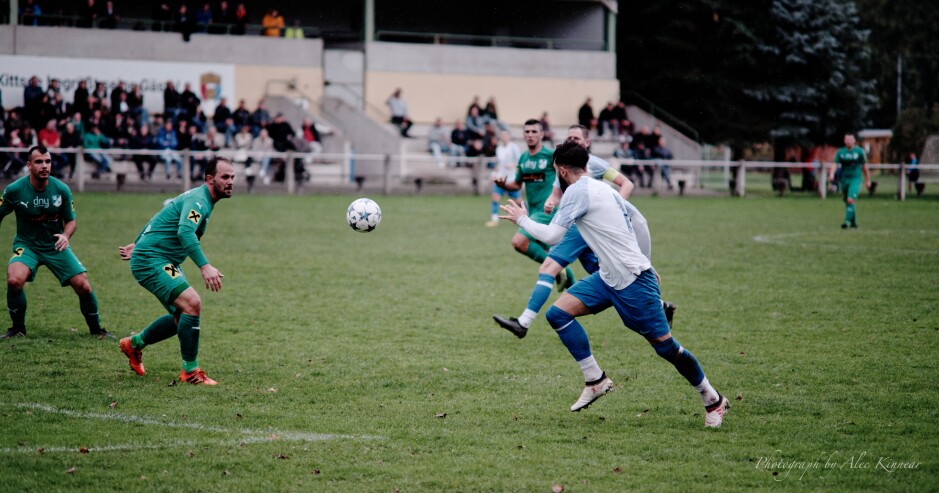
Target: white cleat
column 592, row 393
column 715, row 414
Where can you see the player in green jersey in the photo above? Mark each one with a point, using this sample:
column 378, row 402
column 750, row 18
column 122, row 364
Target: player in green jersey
column 536, row 172
column 853, row 162
column 45, row 222
column 171, row 236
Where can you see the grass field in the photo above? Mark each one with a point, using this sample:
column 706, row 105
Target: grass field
column 353, row 362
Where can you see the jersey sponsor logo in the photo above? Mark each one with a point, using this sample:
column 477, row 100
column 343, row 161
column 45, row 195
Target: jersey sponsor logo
column 18, row 252
column 57, row 200
column 194, row 216
column 542, row 163
column 533, row 177
column 41, row 202
column 24, row 204
column 172, row 271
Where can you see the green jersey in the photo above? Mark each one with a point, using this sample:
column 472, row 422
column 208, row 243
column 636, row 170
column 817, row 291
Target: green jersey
column 39, row 214
column 173, row 233
column 850, row 161
column 536, row 172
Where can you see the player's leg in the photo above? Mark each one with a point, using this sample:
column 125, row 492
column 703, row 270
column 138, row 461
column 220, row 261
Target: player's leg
column 851, row 189
column 589, row 295
column 17, row 275
column 634, row 304
column 190, row 307
column 166, row 282
column 497, row 193
column 88, row 304
column 529, row 247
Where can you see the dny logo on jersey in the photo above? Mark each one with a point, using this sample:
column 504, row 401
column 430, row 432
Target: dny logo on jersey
column 41, row 202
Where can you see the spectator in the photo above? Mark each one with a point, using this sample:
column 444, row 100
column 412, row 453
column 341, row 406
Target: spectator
column 167, row 142
column 399, row 112
column 661, row 153
column 241, row 20
column 222, row 113
column 272, row 24
column 475, row 149
column 135, row 100
column 224, row 18
column 585, row 115
column 109, row 17
column 32, row 100
column 474, row 104
column 101, row 92
column 280, row 131
column 259, row 119
column 459, row 139
column 189, row 102
column 490, row 115
column 87, row 15
column 80, row 97
column 162, row 17
column 912, row 174
column 54, row 88
column 438, row 142
column 29, row 13
column 626, row 163
column 242, row 144
column 295, row 31
column 622, row 120
column 196, row 144
column 229, row 129
column 185, row 22
column 171, row 101
column 263, row 146
column 20, row 138
column 182, row 135
column 607, row 123
column 71, row 139
column 475, row 125
column 241, row 116
column 546, row 127
column 311, row 136
column 121, row 88
column 95, row 140
column 143, row 140
column 204, row 18
column 49, row 137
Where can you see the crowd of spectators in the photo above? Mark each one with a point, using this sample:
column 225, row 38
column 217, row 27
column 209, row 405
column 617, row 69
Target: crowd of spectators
column 220, row 17
column 474, row 135
column 115, row 117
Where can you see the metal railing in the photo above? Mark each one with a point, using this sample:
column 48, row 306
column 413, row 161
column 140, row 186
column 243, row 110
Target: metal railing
column 150, row 24
column 493, row 40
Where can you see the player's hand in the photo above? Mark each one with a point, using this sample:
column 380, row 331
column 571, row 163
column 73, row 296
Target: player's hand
column 867, row 184
column 831, row 177
column 212, row 277
column 500, row 181
column 126, row 251
column 61, row 243
column 513, row 211
column 549, row 205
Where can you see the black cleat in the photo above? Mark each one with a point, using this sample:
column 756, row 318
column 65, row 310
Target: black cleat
column 102, row 334
column 853, row 224
column 13, row 332
column 669, row 309
column 844, row 225
column 511, row 325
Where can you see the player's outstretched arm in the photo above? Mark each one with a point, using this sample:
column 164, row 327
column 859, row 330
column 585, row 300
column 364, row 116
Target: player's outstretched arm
column 212, row 277
column 625, row 185
column 547, row 233
column 553, row 199
column 126, row 251
column 504, row 183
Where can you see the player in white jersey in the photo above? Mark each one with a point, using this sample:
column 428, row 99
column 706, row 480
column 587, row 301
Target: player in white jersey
column 625, row 281
column 507, row 155
column 573, row 247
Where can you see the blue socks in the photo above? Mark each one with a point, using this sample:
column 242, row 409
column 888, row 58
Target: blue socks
column 684, row 361
column 570, row 331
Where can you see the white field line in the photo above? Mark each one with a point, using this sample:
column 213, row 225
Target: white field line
column 247, row 435
column 793, row 239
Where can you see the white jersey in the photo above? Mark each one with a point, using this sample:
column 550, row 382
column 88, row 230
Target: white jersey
column 507, row 156
column 603, row 219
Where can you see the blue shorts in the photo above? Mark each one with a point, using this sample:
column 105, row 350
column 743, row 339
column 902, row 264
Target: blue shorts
column 513, row 194
column 573, row 247
column 639, row 305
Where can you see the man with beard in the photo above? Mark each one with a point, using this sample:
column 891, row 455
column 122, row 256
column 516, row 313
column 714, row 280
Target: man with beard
column 166, row 241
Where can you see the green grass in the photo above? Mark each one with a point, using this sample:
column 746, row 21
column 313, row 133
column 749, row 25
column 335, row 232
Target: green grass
column 373, row 358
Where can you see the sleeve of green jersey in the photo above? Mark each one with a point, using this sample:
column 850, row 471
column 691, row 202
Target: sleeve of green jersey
column 191, row 215
column 6, row 203
column 68, row 207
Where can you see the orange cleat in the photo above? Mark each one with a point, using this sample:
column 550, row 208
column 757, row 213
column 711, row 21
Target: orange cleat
column 196, row 377
column 134, row 356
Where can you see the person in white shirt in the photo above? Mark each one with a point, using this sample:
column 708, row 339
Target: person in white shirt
column 626, row 280
column 507, row 155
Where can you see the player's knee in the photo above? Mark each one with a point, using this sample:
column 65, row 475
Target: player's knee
column 81, row 286
column 549, row 266
column 520, row 243
column 15, row 282
column 849, row 201
column 558, row 318
column 189, row 304
column 668, row 349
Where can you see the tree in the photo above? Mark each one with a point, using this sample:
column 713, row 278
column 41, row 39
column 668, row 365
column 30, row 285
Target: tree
column 816, row 79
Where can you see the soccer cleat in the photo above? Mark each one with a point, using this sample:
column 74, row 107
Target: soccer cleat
column 492, row 224
column 563, row 280
column 101, row 334
column 13, row 332
column 196, row 377
column 669, row 309
column 592, row 393
column 134, row 356
column 853, row 224
column 512, row 325
column 844, row 225
column 715, row 413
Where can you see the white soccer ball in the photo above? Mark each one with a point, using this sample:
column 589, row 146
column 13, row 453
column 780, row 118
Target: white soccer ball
column 363, row 215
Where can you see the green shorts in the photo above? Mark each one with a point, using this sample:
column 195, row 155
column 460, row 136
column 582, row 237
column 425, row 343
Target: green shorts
column 164, row 279
column 850, row 187
column 64, row 265
column 538, row 217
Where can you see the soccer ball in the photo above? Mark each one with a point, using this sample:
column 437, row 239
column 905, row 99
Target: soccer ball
column 363, row 215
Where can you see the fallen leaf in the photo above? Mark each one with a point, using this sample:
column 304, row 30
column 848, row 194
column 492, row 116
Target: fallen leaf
column 40, row 450
column 315, row 472
column 72, row 329
column 143, row 478
column 742, row 353
column 521, row 447
column 189, row 454
column 739, row 397
column 446, row 369
column 83, row 450
column 273, row 436
column 238, row 415
column 21, row 443
column 113, row 405
column 440, row 415
column 557, row 488
column 297, row 375
column 281, row 456
column 226, row 473
column 172, row 384
column 602, row 418
column 618, row 470
column 71, row 470
column 272, row 389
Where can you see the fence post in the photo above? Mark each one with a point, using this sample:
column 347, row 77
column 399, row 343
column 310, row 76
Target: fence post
column 347, row 162
column 478, row 174
column 80, row 168
column 290, row 175
column 187, row 170
column 901, row 183
column 822, row 181
column 656, row 176
column 386, row 175
column 741, row 178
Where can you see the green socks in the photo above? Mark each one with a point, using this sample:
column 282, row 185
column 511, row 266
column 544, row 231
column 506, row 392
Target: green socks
column 160, row 329
column 188, row 333
column 849, row 216
column 89, row 307
column 536, row 252
column 16, row 303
